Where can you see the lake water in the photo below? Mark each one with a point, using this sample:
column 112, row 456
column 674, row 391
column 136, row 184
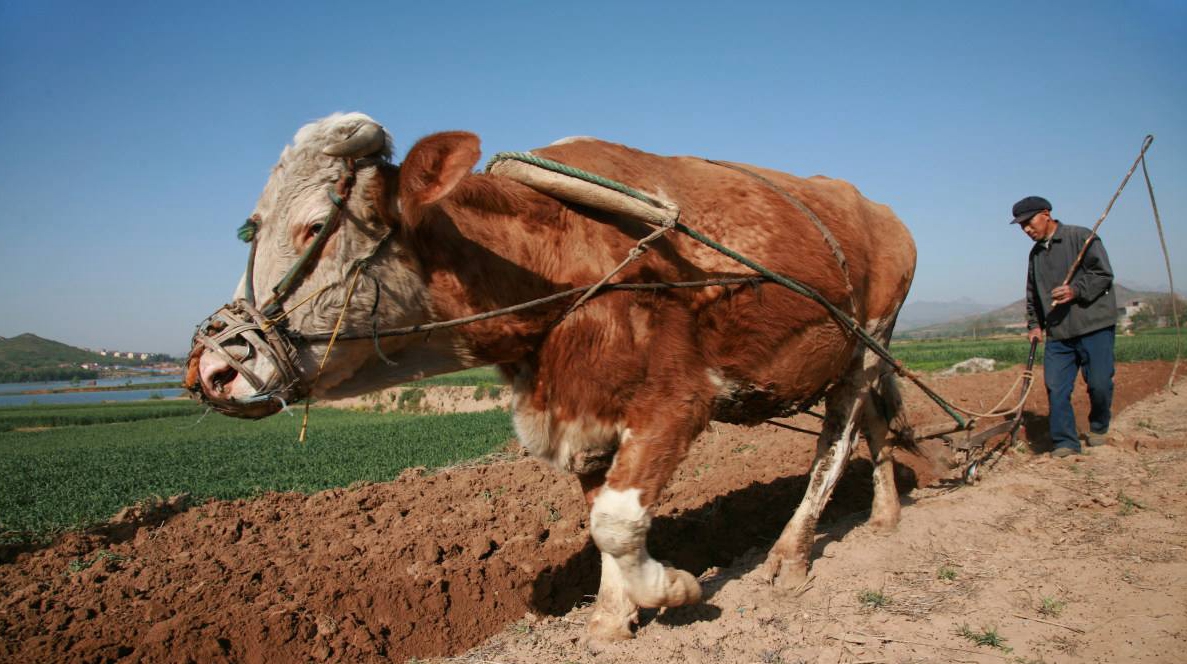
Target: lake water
column 8, row 396
column 87, row 397
column 9, row 388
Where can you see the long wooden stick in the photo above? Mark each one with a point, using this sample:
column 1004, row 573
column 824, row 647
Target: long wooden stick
column 1048, row 622
column 1145, row 146
column 1170, row 382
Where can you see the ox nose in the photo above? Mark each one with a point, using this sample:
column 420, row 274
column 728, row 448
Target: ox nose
column 216, row 374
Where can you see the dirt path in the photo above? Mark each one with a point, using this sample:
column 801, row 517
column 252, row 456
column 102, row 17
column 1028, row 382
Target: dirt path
column 431, row 565
column 1072, row 560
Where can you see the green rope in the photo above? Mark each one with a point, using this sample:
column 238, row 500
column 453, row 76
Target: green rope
column 787, row 282
column 840, row 316
column 564, row 169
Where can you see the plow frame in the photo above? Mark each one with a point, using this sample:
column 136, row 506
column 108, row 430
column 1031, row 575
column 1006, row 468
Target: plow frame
column 972, row 445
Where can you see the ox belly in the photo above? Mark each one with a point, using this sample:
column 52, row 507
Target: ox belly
column 752, row 404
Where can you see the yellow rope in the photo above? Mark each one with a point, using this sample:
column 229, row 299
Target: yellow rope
column 329, row 346
column 272, row 322
column 994, row 412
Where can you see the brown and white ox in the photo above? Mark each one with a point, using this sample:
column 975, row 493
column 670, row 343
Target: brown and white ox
column 616, row 391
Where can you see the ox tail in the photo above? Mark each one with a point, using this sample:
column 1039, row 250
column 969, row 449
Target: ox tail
column 889, row 402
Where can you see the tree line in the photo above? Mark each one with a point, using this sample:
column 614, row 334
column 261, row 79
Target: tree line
column 46, row 374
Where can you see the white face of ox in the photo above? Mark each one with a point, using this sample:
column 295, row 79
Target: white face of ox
column 294, row 207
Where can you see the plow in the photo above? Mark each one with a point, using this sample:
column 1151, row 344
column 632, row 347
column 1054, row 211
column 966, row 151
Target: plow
column 972, row 447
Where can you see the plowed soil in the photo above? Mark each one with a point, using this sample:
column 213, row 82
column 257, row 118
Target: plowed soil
column 433, row 564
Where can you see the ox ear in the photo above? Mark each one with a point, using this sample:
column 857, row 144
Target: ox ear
column 435, row 165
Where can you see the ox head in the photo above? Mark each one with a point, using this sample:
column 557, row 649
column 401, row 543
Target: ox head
column 330, row 239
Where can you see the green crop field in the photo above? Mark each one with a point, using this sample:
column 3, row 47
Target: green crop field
column 463, row 378
column 72, row 476
column 941, row 354
column 25, row 417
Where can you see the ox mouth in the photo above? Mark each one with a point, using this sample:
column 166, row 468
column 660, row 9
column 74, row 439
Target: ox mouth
column 252, row 408
column 218, row 395
column 217, row 392
column 229, row 349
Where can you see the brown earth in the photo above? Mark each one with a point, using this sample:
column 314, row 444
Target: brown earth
column 437, row 399
column 435, row 564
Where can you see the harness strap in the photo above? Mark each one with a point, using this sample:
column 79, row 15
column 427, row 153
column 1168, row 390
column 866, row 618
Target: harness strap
column 828, row 236
column 297, row 272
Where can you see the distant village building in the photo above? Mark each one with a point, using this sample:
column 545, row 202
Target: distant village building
column 131, row 355
column 1126, row 312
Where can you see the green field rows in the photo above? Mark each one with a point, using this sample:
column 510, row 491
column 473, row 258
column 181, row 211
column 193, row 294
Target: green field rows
column 934, row 355
column 60, row 415
column 77, row 475
column 463, row 378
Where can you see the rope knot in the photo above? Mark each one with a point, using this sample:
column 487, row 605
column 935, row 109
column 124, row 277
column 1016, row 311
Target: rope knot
column 247, row 232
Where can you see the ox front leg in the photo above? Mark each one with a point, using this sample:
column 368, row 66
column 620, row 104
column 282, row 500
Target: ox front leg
column 620, row 517
column 787, row 563
column 615, row 612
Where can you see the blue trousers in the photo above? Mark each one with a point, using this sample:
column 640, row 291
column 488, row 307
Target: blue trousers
column 1091, row 354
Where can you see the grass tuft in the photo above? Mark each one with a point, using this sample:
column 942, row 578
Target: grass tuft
column 872, row 599
column 1052, row 607
column 988, row 636
column 1128, row 504
column 410, row 399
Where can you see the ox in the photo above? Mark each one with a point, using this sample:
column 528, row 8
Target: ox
column 615, row 391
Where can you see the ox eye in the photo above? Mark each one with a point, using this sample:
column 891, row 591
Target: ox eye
column 313, row 230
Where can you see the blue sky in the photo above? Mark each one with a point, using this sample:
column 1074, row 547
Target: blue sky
column 137, row 136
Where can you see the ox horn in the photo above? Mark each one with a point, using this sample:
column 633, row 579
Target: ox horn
column 368, row 139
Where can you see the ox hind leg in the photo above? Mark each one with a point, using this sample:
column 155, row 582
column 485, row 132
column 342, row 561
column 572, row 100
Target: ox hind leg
column 787, row 562
column 620, row 517
column 863, row 400
column 884, row 407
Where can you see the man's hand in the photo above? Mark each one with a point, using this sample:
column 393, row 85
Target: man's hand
column 1035, row 334
column 1063, row 294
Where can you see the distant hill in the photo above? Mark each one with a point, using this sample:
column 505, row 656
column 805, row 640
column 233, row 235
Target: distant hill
column 27, row 349
column 28, row 357
column 921, row 314
column 1010, row 318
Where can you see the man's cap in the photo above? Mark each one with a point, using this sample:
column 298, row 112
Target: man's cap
column 1029, row 207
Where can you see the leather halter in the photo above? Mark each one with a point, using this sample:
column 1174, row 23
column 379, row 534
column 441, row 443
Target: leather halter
column 259, row 327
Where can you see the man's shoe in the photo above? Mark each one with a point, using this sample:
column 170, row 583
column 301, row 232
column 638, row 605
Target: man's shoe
column 1098, row 439
column 1061, row 452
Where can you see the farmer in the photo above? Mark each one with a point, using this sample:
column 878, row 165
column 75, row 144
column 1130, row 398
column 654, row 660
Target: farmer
column 1079, row 319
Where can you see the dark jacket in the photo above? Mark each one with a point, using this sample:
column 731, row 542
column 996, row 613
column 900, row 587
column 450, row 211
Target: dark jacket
column 1095, row 305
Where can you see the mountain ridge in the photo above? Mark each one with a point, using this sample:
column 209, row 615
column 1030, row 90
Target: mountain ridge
column 1003, row 318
